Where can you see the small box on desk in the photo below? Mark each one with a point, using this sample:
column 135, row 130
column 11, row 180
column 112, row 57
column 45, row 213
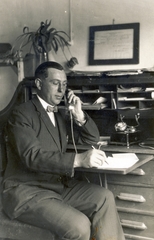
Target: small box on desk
column 125, row 138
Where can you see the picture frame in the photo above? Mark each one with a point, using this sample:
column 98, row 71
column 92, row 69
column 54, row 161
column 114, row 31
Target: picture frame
column 114, row 44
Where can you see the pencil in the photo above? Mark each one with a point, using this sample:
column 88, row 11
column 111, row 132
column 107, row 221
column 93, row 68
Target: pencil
column 95, row 148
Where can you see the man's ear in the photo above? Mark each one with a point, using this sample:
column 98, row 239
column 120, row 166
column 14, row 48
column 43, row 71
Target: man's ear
column 38, row 83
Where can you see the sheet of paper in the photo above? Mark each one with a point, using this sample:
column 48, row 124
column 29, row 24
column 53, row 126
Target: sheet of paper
column 118, row 161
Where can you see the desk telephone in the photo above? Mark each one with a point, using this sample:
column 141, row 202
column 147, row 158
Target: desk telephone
column 125, row 134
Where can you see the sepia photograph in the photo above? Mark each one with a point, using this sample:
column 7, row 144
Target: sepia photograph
column 77, row 120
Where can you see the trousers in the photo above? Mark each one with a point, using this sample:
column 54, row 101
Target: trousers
column 86, row 212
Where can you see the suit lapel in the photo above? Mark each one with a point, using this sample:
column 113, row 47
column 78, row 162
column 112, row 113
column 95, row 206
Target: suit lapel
column 62, row 130
column 45, row 118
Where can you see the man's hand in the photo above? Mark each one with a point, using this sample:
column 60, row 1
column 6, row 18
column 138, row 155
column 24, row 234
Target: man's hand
column 77, row 112
column 90, row 158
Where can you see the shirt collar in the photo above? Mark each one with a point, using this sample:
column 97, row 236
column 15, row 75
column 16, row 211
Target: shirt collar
column 44, row 103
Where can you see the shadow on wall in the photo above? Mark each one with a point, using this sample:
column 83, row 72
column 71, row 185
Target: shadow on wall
column 8, row 85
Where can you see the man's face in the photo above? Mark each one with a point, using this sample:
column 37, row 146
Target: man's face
column 53, row 88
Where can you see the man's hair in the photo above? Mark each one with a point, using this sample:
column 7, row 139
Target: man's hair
column 42, row 69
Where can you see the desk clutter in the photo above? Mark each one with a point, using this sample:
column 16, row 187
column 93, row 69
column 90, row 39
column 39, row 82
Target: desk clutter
column 121, row 92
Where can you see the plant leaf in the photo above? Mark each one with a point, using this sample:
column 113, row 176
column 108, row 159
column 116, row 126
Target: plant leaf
column 44, row 44
column 54, row 45
column 63, row 33
column 26, row 29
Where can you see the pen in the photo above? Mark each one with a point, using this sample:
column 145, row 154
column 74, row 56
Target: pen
column 95, row 148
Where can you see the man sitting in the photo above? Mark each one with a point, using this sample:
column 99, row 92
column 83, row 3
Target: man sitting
column 39, row 175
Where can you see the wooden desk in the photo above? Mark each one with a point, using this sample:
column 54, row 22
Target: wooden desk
column 144, row 155
column 133, row 190
column 143, row 158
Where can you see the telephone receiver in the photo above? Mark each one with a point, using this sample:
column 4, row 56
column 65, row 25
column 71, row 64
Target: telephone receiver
column 69, row 106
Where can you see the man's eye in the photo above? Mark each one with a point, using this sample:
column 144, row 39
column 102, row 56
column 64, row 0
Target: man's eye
column 64, row 84
column 55, row 82
column 59, row 83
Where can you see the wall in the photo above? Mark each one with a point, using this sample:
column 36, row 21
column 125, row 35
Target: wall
column 17, row 14
column 101, row 12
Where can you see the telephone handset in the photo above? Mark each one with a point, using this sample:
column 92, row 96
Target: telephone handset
column 69, row 106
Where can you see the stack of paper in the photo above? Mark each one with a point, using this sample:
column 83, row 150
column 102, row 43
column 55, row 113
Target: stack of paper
column 120, row 160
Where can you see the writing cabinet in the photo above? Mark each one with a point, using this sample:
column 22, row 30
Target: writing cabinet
column 125, row 95
column 127, row 92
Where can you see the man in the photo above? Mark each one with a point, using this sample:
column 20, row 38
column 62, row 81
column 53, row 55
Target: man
column 39, row 175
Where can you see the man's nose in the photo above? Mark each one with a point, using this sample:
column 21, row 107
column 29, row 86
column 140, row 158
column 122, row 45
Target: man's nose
column 61, row 88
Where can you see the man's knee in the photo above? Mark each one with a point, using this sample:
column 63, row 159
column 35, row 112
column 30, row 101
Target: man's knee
column 103, row 196
column 109, row 196
column 79, row 229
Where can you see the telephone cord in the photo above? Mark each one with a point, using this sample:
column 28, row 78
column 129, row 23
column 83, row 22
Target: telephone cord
column 72, row 132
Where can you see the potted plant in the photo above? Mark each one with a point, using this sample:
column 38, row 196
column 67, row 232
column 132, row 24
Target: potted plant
column 41, row 41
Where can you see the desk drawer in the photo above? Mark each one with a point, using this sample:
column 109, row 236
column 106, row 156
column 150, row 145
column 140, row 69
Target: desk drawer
column 146, row 179
column 141, row 199
column 138, row 225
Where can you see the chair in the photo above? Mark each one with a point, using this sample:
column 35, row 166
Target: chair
column 13, row 229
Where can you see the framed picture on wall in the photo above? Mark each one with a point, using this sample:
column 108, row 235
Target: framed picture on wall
column 114, row 44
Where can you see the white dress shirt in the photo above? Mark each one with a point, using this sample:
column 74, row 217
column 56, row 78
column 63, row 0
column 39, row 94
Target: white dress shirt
column 50, row 114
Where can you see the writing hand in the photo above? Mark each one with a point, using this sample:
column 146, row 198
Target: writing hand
column 90, row 158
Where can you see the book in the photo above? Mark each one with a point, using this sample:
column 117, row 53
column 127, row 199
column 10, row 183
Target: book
column 120, row 161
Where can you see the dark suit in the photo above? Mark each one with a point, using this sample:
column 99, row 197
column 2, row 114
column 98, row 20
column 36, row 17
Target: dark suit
column 40, row 170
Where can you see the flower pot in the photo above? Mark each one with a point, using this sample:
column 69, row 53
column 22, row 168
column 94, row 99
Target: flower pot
column 31, row 62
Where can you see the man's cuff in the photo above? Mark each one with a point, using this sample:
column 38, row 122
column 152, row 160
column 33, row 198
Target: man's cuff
column 81, row 122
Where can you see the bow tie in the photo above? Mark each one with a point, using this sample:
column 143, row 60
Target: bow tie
column 52, row 108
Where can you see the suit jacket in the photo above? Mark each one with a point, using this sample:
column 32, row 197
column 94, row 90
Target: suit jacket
column 37, row 154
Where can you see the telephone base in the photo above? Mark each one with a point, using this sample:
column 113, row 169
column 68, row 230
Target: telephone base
column 125, row 138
